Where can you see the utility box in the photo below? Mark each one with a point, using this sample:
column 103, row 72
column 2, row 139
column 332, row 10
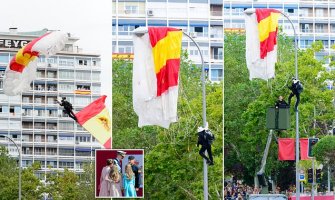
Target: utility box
column 278, row 118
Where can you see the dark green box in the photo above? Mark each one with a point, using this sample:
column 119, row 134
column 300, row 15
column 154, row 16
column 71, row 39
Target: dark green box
column 278, row 118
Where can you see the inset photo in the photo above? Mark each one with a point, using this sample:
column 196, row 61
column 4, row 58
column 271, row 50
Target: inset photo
column 119, row 173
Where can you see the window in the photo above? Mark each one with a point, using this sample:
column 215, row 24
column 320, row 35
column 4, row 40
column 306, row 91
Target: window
column 4, row 58
column 96, row 89
column 67, row 87
column 83, row 62
column 130, row 9
column 80, row 75
column 217, row 53
column 83, row 87
column 290, row 10
column 216, row 74
column 66, row 74
column 95, row 76
column 319, row 12
column 332, row 12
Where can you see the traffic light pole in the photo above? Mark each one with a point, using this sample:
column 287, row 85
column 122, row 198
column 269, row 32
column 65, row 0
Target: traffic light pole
column 313, row 183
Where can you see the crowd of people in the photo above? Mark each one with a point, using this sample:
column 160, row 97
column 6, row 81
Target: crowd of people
column 114, row 183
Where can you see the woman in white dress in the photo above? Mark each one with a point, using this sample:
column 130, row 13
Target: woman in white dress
column 104, row 191
column 114, row 180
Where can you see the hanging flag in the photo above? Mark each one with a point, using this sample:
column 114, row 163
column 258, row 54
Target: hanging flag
column 261, row 26
column 96, row 120
column 304, row 149
column 155, row 75
column 286, row 149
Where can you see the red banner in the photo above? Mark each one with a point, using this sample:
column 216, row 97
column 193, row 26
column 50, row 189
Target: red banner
column 304, row 149
column 286, row 149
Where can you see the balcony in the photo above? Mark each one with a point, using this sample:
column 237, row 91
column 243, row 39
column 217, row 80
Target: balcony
column 216, row 13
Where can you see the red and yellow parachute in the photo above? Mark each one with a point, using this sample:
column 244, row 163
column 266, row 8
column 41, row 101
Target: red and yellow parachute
column 21, row 70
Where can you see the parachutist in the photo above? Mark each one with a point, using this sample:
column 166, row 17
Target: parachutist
column 205, row 139
column 68, row 109
column 296, row 88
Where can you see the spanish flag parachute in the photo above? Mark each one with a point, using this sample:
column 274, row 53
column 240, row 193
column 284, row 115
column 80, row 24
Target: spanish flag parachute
column 156, row 74
column 261, row 28
column 21, row 70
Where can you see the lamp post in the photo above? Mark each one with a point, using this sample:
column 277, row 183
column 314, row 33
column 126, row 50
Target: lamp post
column 20, row 169
column 297, row 181
column 203, row 82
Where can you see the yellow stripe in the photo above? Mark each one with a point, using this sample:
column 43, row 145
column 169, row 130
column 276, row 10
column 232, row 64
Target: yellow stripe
column 167, row 48
column 268, row 25
column 97, row 128
column 23, row 59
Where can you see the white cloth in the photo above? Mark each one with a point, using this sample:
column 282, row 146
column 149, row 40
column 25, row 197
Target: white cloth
column 104, row 190
column 258, row 68
column 151, row 110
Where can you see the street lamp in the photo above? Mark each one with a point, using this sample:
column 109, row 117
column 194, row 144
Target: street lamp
column 20, row 169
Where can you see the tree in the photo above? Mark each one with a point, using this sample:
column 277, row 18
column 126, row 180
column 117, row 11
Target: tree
column 31, row 186
column 172, row 163
column 324, row 150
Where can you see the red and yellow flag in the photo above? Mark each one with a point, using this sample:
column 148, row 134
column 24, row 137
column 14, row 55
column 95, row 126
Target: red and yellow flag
column 261, row 27
column 268, row 27
column 166, row 48
column 155, row 75
column 96, row 120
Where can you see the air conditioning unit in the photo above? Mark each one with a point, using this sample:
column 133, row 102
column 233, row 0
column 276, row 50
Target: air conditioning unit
column 193, row 34
column 150, row 13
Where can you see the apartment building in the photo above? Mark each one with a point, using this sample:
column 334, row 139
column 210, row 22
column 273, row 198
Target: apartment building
column 201, row 19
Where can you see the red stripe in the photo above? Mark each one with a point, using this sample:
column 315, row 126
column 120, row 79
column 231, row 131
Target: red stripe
column 91, row 110
column 158, row 33
column 108, row 144
column 29, row 46
column 168, row 76
column 268, row 45
column 13, row 65
column 264, row 13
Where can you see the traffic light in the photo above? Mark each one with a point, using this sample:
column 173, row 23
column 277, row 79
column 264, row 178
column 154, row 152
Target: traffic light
column 318, row 175
column 311, row 143
column 310, row 175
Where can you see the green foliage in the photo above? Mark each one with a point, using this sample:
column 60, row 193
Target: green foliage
column 246, row 103
column 324, row 150
column 9, row 176
column 172, row 163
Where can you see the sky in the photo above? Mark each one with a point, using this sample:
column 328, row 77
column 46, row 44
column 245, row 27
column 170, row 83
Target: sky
column 89, row 20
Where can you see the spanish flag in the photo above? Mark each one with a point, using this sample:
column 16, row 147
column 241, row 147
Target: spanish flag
column 96, row 120
column 155, row 74
column 261, row 26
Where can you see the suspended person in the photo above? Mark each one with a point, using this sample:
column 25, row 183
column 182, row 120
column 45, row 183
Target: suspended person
column 205, row 139
column 68, row 109
column 296, row 88
column 103, row 186
column 114, row 182
column 129, row 182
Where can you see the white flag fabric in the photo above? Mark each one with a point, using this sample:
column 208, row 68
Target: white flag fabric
column 261, row 26
column 155, row 75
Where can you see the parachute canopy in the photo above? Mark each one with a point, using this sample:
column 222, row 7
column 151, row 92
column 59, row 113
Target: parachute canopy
column 21, row 70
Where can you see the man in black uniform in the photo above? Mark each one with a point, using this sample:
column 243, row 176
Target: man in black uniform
column 205, row 139
column 68, row 109
column 296, row 88
column 134, row 167
column 281, row 103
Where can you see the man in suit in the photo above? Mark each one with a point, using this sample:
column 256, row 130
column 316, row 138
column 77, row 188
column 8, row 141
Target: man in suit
column 205, row 139
column 118, row 160
column 296, row 89
column 134, row 167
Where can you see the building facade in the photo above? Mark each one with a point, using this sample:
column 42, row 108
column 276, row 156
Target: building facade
column 201, row 19
column 314, row 20
column 34, row 119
